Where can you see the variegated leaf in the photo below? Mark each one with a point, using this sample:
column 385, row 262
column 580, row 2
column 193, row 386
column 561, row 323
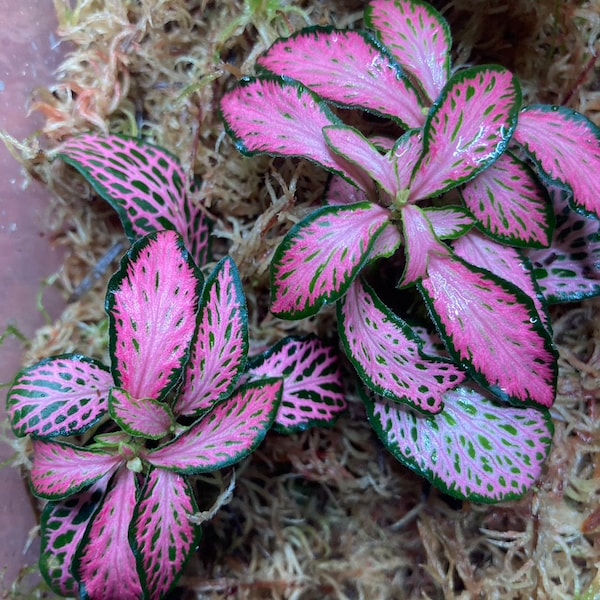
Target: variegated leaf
column 492, row 328
column 313, row 393
column 504, row 262
column 405, row 154
column 320, row 256
column 467, row 129
column 143, row 183
column 60, row 396
column 140, row 417
column 105, row 564
column 449, row 222
column 474, row 449
column 510, row 204
column 63, row 525
column 569, row 270
column 151, row 303
column 283, row 118
column 162, row 535
column 227, row 434
column 566, row 146
column 60, row 470
column 417, row 36
column 348, row 68
column 221, row 345
column 385, row 351
column 340, row 192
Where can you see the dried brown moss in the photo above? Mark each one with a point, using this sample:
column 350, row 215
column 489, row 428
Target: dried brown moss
column 327, row 513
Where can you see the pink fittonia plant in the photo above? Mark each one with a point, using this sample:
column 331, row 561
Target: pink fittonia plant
column 451, row 207
column 118, row 521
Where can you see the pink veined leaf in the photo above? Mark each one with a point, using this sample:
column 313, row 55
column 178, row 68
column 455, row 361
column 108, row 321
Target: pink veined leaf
column 162, row 535
column 140, row 417
column 510, row 204
column 474, row 449
column 63, row 525
column 449, row 222
column 504, row 262
column 313, row 393
column 152, row 302
column 60, row 470
column 59, row 396
column 569, row 270
column 348, row 68
column 105, row 564
column 340, row 192
column 405, row 154
column 566, row 146
column 417, row 36
column 145, row 185
column 227, row 434
column 387, row 353
column 283, row 118
column 491, row 327
column 221, row 345
column 420, row 242
column 320, row 256
column 386, row 243
column 350, row 144
column 467, row 129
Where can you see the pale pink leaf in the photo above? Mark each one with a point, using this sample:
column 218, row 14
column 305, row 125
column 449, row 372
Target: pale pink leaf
column 405, row 154
column 348, row 68
column 449, row 222
column 417, row 36
column 145, row 185
column 62, row 526
column 221, row 344
column 474, row 449
column 313, row 393
column 320, row 256
column 491, row 328
column 105, row 563
column 162, row 534
column 60, row 470
column 387, row 353
column 60, row 396
column 140, row 417
column 467, row 129
column 510, row 204
column 566, row 145
column 152, row 302
column 227, row 434
column 340, row 192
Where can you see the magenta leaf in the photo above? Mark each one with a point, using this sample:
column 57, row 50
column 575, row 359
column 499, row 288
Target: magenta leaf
column 348, row 68
column 221, row 345
column 467, row 129
column 162, row 535
column 313, row 393
column 566, row 146
column 105, row 564
column 63, row 525
column 59, row 396
column 60, row 470
column 569, row 270
column 320, row 256
column 283, row 118
column 143, row 183
column 340, row 192
column 417, row 36
column 140, row 417
column 449, row 222
column 510, row 204
column 152, row 302
column 474, row 449
column 227, row 434
column 491, row 327
column 406, row 153
column 386, row 353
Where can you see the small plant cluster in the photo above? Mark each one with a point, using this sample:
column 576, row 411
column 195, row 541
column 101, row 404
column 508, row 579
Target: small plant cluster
column 115, row 449
column 452, row 193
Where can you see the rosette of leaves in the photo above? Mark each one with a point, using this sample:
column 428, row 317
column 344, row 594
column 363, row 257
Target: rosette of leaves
column 171, row 405
column 455, row 204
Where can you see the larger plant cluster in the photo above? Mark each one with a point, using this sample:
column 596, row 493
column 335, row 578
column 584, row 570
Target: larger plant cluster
column 454, row 194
